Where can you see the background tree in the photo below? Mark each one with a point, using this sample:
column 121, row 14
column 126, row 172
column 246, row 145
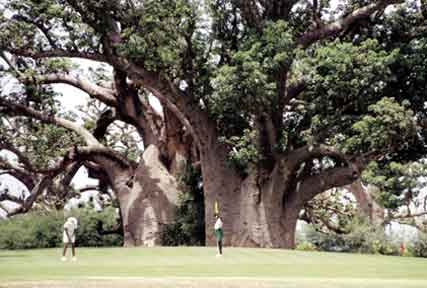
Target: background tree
column 281, row 99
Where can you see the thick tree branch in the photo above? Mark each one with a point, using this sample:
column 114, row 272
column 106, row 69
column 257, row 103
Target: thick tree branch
column 181, row 104
column 184, row 120
column 130, row 108
column 19, row 109
column 56, row 53
column 105, row 95
column 91, row 152
column 267, row 135
column 6, row 145
column 17, row 172
column 29, row 169
column 28, row 202
column 294, row 90
column 310, row 186
column 154, row 122
column 104, row 121
column 342, row 24
column 298, row 156
column 70, row 171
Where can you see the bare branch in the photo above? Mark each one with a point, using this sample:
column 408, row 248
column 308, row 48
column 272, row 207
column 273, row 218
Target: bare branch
column 29, row 201
column 196, row 121
column 60, row 53
column 104, row 121
column 6, row 145
column 17, row 172
column 70, row 171
column 19, row 109
column 184, row 120
column 342, row 24
column 91, row 152
column 40, row 26
column 105, row 95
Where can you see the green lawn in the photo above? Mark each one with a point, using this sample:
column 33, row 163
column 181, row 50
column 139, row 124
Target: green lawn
column 198, row 267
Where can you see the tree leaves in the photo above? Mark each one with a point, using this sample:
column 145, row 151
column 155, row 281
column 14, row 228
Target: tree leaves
column 387, row 127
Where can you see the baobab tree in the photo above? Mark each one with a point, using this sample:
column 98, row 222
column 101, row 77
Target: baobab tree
column 277, row 100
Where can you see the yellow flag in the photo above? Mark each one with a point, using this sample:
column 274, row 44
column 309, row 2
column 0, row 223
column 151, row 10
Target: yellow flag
column 216, row 207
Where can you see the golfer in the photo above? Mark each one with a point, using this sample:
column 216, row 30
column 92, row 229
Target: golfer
column 218, row 234
column 69, row 237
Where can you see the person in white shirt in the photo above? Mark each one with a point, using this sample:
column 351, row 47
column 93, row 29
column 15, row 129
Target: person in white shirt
column 219, row 234
column 69, row 237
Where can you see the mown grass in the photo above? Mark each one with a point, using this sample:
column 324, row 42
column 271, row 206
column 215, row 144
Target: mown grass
column 198, row 267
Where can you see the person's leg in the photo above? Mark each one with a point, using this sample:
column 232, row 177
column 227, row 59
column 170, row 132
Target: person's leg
column 73, row 249
column 65, row 249
column 217, row 246
column 64, row 252
column 220, row 246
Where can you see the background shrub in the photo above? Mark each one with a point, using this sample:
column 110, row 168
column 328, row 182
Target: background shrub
column 419, row 247
column 363, row 238
column 44, row 229
column 189, row 225
column 31, row 230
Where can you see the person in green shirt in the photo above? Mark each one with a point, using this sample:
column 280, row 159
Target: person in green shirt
column 219, row 234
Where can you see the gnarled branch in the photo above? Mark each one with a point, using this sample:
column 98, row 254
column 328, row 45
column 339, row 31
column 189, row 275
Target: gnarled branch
column 22, row 110
column 105, row 95
column 28, row 202
column 56, row 53
column 338, row 26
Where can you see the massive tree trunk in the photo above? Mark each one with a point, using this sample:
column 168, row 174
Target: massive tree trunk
column 152, row 200
column 253, row 208
column 222, row 184
column 261, row 209
column 147, row 197
column 267, row 216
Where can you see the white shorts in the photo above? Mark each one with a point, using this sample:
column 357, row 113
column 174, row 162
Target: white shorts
column 66, row 240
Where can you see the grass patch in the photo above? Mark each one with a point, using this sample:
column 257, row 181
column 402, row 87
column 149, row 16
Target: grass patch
column 198, row 267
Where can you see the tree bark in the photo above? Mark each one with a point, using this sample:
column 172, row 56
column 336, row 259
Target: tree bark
column 147, row 198
column 262, row 208
column 267, row 216
column 254, row 210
